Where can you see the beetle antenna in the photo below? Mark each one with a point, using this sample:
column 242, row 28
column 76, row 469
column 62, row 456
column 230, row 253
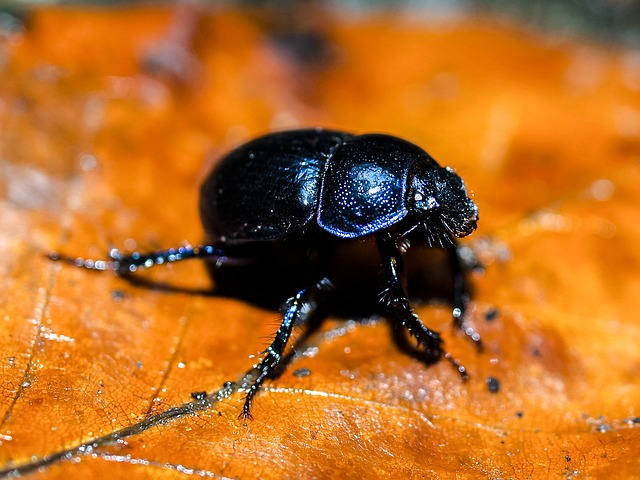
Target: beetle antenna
column 126, row 264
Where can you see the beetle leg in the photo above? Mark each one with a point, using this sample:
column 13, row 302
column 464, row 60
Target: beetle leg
column 127, row 264
column 460, row 294
column 399, row 306
column 299, row 309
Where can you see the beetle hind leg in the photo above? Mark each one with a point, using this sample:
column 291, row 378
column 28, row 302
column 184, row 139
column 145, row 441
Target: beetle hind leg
column 127, row 264
column 298, row 309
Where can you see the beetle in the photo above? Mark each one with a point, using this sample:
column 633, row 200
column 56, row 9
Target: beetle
column 284, row 203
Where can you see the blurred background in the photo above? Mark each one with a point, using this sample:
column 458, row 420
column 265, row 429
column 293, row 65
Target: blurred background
column 617, row 20
column 111, row 114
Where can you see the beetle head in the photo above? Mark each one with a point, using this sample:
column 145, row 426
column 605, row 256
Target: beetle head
column 439, row 198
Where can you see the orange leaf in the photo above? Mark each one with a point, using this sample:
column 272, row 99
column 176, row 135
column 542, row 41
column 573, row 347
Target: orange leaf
column 107, row 121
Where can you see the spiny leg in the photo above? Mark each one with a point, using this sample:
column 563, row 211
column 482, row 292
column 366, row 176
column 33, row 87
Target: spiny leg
column 398, row 304
column 460, row 294
column 127, row 264
column 299, row 309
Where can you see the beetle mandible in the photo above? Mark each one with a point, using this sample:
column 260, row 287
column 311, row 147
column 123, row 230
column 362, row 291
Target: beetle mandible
column 286, row 201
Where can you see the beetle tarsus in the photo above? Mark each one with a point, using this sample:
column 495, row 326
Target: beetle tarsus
column 470, row 332
column 457, row 365
column 87, row 263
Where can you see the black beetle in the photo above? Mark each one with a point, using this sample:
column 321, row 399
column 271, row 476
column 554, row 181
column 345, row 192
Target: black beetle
column 286, row 201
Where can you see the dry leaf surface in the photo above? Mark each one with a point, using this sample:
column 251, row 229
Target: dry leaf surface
column 110, row 119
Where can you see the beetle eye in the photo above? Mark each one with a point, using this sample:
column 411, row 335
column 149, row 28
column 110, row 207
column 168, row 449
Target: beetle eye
column 423, row 202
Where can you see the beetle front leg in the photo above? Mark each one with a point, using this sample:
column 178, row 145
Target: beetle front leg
column 398, row 304
column 460, row 294
column 299, row 309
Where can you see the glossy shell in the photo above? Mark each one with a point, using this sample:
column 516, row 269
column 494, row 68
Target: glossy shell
column 365, row 184
column 277, row 184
